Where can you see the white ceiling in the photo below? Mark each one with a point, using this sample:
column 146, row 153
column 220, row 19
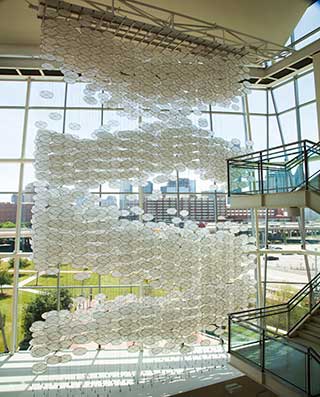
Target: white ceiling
column 272, row 20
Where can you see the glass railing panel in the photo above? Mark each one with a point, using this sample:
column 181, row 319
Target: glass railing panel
column 276, row 323
column 244, row 178
column 314, row 376
column 286, row 362
column 245, row 341
column 299, row 309
column 278, row 180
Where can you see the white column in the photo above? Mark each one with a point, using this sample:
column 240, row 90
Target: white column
column 316, row 68
column 18, row 226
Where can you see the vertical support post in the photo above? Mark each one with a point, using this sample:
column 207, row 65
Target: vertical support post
column 58, row 288
column 215, row 207
column 263, row 350
column 258, row 270
column 14, row 332
column 65, row 110
column 178, row 194
column 316, row 69
column 141, row 198
column 229, row 333
column 261, row 187
column 228, row 177
column 302, row 226
column 306, row 168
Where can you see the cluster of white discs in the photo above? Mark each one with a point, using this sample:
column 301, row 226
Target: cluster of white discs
column 69, row 227
column 202, row 276
column 136, row 155
column 163, row 324
column 136, row 78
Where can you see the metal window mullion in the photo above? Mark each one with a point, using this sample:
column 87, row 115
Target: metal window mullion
column 18, row 225
column 277, row 116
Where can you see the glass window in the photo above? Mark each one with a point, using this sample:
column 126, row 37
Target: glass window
column 306, row 88
column 309, row 21
column 284, row 96
column 82, row 123
column 274, row 133
column 55, row 88
column 271, row 106
column 309, row 122
column 9, row 177
column 259, row 132
column 257, row 101
column 75, row 96
column 220, row 108
column 288, row 123
column 28, row 175
column 13, row 93
column 11, row 126
column 229, row 126
column 124, row 121
column 43, row 115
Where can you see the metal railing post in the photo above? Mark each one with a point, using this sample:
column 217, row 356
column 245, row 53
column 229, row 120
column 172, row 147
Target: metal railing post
column 308, row 371
column 229, row 334
column 261, row 175
column 263, row 350
column 228, row 177
column 306, row 171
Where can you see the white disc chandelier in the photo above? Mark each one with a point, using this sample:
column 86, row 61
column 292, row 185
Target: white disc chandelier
column 135, row 77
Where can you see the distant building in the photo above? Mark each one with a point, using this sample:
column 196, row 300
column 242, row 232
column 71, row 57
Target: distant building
column 8, row 212
column 148, row 189
column 27, row 196
column 186, row 185
column 125, row 187
column 110, row 200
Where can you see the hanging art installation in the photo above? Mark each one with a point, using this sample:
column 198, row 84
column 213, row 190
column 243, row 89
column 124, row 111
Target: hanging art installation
column 200, row 276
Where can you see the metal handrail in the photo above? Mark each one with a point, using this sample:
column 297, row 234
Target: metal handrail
column 264, row 161
column 275, row 309
column 270, row 151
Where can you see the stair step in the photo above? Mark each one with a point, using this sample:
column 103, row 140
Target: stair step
column 309, row 336
column 306, row 343
column 315, row 318
column 312, row 326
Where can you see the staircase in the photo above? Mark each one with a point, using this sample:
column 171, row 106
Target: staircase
column 309, row 333
column 280, row 177
column 279, row 345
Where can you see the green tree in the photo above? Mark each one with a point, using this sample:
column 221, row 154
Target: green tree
column 41, row 304
column 23, row 262
column 5, row 278
column 7, row 225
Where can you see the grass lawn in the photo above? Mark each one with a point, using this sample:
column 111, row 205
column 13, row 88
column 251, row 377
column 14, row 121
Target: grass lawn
column 6, row 310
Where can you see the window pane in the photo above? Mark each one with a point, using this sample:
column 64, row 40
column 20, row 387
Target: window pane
column 124, row 121
column 309, row 21
column 9, row 177
column 75, row 96
column 11, row 125
column 36, row 115
column 274, row 133
column 271, row 106
column 289, row 126
column 28, row 176
column 86, row 120
column 229, row 126
column 13, row 93
column 259, row 132
column 257, row 101
column 306, row 88
column 309, row 124
column 56, row 88
column 284, row 96
column 230, row 108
